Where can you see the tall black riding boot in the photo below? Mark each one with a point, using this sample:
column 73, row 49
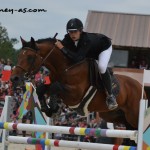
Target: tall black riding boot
column 110, row 99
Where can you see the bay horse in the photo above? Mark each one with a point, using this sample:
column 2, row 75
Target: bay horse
column 75, row 78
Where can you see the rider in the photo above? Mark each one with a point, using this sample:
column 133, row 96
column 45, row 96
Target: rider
column 78, row 45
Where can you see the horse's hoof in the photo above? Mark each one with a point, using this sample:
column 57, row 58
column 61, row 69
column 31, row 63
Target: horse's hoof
column 48, row 113
column 43, row 109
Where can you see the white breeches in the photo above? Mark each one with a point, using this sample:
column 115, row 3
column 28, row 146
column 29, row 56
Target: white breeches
column 103, row 59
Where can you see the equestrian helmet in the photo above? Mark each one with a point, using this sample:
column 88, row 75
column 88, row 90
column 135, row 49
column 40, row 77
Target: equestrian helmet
column 74, row 24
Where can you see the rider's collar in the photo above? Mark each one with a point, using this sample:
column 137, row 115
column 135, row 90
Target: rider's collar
column 76, row 42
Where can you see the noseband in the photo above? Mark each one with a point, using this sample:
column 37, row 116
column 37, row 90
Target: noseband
column 32, row 71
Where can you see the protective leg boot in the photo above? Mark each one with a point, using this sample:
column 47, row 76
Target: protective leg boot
column 110, row 99
column 49, row 112
column 53, row 103
column 41, row 90
column 44, row 106
column 53, row 106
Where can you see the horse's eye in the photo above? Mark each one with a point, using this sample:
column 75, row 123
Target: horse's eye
column 30, row 59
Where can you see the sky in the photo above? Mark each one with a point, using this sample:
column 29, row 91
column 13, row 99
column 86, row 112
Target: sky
column 57, row 13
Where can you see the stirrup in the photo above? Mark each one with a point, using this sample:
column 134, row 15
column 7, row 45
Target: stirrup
column 110, row 97
column 111, row 102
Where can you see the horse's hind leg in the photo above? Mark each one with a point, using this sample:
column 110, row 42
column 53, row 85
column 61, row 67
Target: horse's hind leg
column 129, row 127
column 116, row 116
column 129, row 142
column 119, row 117
column 131, row 116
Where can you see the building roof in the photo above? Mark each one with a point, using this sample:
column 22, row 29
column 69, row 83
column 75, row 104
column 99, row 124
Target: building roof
column 125, row 30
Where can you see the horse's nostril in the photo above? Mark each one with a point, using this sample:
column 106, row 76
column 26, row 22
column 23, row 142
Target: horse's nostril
column 14, row 78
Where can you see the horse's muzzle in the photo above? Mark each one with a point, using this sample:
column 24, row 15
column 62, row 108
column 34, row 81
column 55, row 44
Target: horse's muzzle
column 14, row 78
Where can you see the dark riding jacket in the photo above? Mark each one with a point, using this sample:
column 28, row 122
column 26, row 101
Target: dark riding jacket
column 90, row 45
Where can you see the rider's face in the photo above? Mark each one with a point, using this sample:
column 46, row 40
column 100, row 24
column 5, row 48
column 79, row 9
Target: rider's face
column 75, row 35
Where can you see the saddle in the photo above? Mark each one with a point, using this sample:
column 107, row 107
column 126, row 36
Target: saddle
column 96, row 84
column 96, row 81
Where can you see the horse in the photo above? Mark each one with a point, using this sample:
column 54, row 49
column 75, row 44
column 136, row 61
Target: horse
column 75, row 78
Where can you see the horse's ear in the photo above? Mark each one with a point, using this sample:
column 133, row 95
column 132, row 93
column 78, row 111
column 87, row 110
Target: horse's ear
column 32, row 40
column 23, row 41
column 33, row 44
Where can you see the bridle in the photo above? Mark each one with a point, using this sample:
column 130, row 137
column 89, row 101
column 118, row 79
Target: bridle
column 32, row 71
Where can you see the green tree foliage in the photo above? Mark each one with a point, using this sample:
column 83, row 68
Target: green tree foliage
column 6, row 45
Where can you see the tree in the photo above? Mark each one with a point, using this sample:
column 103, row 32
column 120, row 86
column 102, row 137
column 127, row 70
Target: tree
column 6, row 45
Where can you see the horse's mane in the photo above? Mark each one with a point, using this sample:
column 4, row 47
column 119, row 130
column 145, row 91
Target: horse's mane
column 39, row 41
column 45, row 40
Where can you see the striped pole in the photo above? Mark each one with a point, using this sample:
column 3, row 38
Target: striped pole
column 68, row 144
column 97, row 132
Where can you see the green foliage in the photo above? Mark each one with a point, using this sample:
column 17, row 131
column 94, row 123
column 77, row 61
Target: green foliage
column 6, row 45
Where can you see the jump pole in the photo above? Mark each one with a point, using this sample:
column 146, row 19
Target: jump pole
column 97, row 132
column 68, row 144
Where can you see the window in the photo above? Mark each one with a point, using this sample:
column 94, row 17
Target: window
column 119, row 58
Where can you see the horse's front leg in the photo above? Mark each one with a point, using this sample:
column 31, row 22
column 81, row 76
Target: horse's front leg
column 55, row 101
column 41, row 90
column 52, row 91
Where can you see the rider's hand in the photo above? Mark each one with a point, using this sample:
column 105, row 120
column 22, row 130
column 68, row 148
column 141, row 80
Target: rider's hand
column 59, row 44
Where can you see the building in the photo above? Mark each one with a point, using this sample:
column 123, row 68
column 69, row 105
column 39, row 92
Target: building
column 130, row 34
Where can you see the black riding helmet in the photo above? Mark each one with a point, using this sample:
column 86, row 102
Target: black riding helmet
column 74, row 24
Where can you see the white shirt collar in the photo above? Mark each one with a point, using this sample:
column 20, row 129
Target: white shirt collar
column 76, row 43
